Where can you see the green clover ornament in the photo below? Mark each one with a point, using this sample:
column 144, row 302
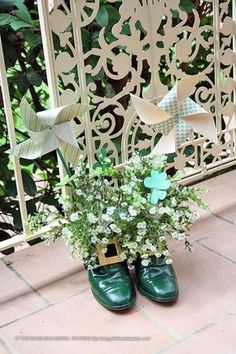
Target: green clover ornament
column 158, row 183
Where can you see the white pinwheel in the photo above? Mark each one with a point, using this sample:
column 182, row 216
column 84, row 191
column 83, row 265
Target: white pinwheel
column 49, row 130
column 176, row 115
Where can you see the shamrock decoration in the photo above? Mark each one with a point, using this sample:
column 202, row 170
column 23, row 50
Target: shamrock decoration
column 176, row 115
column 49, row 130
column 158, row 183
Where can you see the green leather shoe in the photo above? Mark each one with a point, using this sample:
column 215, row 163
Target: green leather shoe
column 157, row 281
column 112, row 286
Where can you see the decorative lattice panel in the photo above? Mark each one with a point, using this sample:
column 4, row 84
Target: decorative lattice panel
column 150, row 45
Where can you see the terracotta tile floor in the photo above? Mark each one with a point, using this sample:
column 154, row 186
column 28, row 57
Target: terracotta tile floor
column 45, row 297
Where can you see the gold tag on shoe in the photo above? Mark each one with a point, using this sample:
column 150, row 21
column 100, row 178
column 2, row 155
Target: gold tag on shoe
column 112, row 254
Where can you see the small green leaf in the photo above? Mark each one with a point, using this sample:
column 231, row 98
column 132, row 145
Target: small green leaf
column 22, row 12
column 187, row 6
column 2, row 191
column 102, row 17
column 7, row 4
column 86, row 38
column 175, row 13
column 23, row 83
column 31, row 207
column 32, row 38
column 10, row 187
column 29, row 184
column 18, row 24
column 10, row 54
column 34, row 78
column 5, row 19
column 109, row 90
column 17, row 220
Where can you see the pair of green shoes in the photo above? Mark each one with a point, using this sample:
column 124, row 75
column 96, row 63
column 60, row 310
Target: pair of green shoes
column 113, row 288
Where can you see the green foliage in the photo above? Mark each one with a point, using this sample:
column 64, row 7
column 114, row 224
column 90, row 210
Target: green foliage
column 22, row 45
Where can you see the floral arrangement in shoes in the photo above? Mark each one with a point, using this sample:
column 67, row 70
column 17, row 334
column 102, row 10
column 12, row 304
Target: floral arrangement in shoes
column 139, row 206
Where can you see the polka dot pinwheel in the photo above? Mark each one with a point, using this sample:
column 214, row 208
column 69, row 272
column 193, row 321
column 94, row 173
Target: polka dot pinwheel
column 176, row 115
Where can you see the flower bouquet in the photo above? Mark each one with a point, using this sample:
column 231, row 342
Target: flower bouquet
column 138, row 207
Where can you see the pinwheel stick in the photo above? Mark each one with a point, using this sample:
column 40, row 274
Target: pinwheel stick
column 66, row 166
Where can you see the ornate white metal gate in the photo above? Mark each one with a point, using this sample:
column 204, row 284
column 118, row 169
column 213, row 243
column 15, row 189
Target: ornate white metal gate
column 151, row 42
column 148, row 39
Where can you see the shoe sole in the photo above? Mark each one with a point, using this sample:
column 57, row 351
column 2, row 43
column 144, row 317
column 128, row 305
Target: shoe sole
column 154, row 298
column 113, row 308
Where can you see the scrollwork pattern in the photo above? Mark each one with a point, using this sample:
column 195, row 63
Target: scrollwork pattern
column 153, row 44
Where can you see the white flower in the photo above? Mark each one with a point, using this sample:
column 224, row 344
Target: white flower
column 130, row 266
column 132, row 211
column 92, row 218
column 169, row 261
column 110, row 210
column 177, row 235
column 166, row 253
column 79, row 192
column 65, row 203
column 126, row 189
column 107, row 231
column 162, row 238
column 89, row 198
column 153, row 210
column 78, row 171
column 168, row 211
column 107, row 160
column 152, row 248
column 158, row 255
column 106, row 217
column 123, row 216
column 139, row 238
column 141, row 225
column 123, row 256
column 100, row 229
column 141, row 232
column 115, row 228
column 94, row 239
column 66, row 232
column 145, row 262
column 105, row 181
column 74, row 217
column 105, row 240
column 173, row 202
column 134, row 159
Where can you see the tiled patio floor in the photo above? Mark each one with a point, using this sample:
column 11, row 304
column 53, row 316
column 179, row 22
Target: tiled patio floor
column 47, row 296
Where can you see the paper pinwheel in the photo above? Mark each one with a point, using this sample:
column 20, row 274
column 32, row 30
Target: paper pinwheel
column 49, row 130
column 158, row 183
column 176, row 115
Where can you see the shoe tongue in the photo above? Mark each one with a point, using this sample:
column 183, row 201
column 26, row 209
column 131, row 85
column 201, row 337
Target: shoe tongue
column 113, row 267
